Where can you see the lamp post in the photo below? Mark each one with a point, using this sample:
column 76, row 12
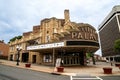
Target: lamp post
column 18, row 54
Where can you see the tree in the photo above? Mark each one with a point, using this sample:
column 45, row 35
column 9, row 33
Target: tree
column 14, row 38
column 91, row 55
column 88, row 55
column 117, row 46
column 19, row 37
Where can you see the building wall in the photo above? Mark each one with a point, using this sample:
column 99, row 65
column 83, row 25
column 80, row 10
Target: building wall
column 4, row 49
column 38, row 59
column 109, row 31
column 52, row 30
column 41, row 34
column 108, row 35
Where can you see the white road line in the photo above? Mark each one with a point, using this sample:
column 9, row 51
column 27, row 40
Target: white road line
column 96, row 77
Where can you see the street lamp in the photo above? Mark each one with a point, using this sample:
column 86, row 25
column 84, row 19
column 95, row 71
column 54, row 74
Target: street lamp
column 18, row 54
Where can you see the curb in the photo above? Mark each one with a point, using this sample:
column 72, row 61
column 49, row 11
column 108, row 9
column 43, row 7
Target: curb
column 54, row 73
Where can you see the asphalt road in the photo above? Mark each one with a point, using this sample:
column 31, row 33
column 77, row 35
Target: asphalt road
column 110, row 77
column 13, row 73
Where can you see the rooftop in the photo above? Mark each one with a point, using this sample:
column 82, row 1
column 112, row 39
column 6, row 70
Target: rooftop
column 115, row 9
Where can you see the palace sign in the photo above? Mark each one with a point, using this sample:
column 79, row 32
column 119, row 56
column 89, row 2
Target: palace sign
column 84, row 36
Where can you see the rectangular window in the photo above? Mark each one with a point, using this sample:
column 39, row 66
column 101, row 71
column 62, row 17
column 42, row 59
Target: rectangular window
column 55, row 30
column 46, row 24
column 1, row 52
column 12, row 48
column 47, row 58
column 47, row 38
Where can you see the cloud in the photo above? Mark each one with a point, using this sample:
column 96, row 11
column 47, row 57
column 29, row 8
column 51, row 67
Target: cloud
column 20, row 16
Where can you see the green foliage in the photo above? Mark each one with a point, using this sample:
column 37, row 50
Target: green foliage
column 117, row 45
column 19, row 37
column 14, row 38
column 89, row 55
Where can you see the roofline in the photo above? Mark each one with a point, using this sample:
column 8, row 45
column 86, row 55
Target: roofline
column 115, row 10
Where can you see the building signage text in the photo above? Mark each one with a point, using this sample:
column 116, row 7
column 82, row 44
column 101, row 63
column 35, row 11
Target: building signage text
column 84, row 36
column 44, row 46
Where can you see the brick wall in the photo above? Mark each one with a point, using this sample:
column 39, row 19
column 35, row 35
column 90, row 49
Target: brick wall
column 4, row 49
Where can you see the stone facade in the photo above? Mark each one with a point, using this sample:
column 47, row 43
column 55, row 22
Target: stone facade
column 51, row 32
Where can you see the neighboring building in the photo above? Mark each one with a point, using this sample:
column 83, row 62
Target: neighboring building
column 109, row 31
column 56, row 38
column 4, row 49
column 98, row 57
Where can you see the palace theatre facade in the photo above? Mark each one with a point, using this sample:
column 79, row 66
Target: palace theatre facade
column 57, row 38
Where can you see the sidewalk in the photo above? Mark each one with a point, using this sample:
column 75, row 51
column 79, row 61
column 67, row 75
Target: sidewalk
column 93, row 70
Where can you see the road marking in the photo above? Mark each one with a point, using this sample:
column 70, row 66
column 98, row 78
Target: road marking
column 85, row 78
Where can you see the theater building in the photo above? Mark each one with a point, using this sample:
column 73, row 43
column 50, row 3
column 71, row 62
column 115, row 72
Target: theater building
column 109, row 31
column 56, row 38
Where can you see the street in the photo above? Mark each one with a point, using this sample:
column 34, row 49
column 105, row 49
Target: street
column 110, row 77
column 13, row 73
column 4, row 77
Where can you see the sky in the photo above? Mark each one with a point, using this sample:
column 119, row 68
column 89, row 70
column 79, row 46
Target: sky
column 19, row 16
